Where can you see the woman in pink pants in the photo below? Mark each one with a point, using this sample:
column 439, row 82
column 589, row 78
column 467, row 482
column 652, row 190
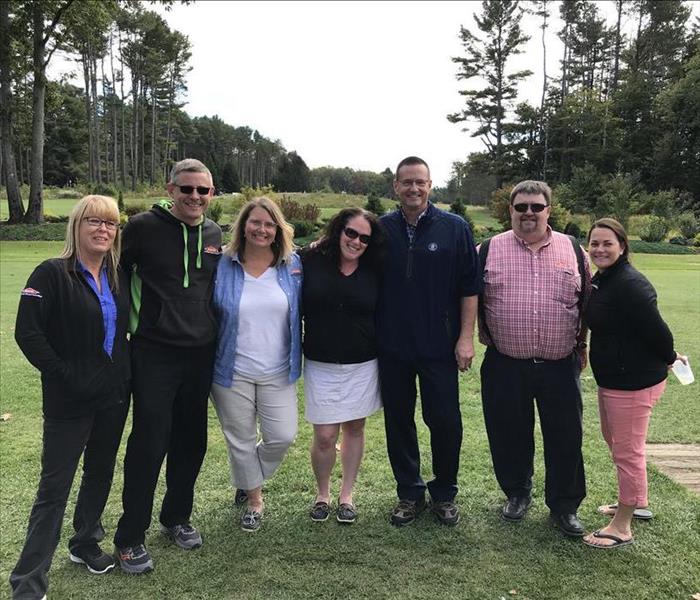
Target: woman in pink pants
column 631, row 352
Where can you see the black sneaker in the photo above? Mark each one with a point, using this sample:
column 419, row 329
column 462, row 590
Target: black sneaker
column 347, row 513
column 406, row 511
column 134, row 559
column 446, row 512
column 185, row 536
column 320, row 511
column 93, row 558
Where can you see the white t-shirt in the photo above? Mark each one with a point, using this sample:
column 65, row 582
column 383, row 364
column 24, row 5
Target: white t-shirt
column 262, row 345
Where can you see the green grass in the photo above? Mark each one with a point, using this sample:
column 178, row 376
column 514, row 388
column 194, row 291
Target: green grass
column 482, row 558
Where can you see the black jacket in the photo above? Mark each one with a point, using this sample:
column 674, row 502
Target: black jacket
column 61, row 332
column 419, row 311
column 631, row 345
column 172, row 268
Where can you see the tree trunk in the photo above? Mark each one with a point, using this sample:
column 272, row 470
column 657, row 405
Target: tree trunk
column 9, row 164
column 96, row 118
column 153, row 138
column 88, row 114
column 35, row 211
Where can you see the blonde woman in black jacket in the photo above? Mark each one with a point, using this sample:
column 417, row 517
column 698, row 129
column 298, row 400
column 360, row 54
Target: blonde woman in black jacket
column 71, row 325
column 631, row 352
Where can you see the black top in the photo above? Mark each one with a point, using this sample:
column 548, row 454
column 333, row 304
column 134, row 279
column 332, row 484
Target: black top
column 631, row 345
column 61, row 332
column 338, row 311
column 172, row 267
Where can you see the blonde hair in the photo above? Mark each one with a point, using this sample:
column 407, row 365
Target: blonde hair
column 282, row 246
column 102, row 207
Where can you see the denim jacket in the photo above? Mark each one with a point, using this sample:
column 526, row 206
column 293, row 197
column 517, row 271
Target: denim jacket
column 228, row 289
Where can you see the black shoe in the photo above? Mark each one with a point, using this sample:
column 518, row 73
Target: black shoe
column 568, row 523
column 320, row 511
column 134, row 559
column 516, row 508
column 93, row 558
column 347, row 513
column 241, row 497
column 406, row 511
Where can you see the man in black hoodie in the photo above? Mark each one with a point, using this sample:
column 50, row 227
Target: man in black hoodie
column 171, row 253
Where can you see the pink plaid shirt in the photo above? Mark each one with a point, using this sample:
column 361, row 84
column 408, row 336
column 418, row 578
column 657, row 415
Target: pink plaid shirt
column 531, row 298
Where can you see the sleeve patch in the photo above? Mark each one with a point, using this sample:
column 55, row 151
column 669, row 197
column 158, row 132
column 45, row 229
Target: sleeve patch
column 31, row 292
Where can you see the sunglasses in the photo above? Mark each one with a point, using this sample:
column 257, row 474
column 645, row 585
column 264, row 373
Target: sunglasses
column 522, row 207
column 352, row 234
column 188, row 189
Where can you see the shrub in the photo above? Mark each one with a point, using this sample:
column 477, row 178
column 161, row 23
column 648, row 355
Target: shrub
column 49, row 218
column 51, row 232
column 679, row 240
column 120, row 201
column 574, row 229
column 134, row 209
column 68, row 194
column 688, row 224
column 103, row 189
column 249, row 192
column 302, row 228
column 559, row 217
column 696, row 241
column 653, row 228
column 215, row 210
column 498, row 205
column 640, row 247
column 293, row 211
column 374, row 205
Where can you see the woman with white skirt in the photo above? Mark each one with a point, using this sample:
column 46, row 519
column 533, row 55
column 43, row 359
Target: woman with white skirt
column 341, row 385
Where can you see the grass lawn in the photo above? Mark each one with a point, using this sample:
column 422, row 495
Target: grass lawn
column 291, row 557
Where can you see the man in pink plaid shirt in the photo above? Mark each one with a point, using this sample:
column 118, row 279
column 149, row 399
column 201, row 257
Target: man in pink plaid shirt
column 530, row 320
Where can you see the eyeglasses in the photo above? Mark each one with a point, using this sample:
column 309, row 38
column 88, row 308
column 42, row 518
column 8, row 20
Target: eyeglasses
column 264, row 224
column 202, row 190
column 95, row 223
column 522, row 207
column 352, row 234
column 407, row 183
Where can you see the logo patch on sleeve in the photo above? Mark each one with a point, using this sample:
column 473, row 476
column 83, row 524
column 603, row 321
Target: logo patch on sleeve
column 31, row 292
column 211, row 250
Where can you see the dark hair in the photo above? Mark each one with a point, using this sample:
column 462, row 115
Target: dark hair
column 409, row 161
column 328, row 245
column 617, row 228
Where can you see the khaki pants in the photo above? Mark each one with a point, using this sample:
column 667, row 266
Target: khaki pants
column 270, row 402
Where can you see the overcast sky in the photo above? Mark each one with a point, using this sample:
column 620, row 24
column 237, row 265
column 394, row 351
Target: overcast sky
column 357, row 84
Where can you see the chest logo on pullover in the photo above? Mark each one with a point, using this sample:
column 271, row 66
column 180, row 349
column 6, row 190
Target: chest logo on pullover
column 31, row 292
column 432, row 246
column 212, row 250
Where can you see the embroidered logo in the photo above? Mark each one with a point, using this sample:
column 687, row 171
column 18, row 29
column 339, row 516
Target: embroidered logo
column 31, row 292
column 211, row 250
column 432, row 246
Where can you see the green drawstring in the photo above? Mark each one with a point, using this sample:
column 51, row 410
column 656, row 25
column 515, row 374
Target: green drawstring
column 186, row 258
column 199, row 247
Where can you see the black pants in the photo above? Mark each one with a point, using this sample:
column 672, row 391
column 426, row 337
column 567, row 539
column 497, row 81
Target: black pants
column 440, row 405
column 508, row 387
column 96, row 437
column 170, row 387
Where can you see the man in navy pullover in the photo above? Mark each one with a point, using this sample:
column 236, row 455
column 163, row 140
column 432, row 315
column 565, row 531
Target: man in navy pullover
column 425, row 328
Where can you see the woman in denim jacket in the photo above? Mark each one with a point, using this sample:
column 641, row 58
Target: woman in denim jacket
column 258, row 354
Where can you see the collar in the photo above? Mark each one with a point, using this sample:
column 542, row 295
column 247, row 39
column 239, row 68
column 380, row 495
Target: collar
column 547, row 241
column 420, row 216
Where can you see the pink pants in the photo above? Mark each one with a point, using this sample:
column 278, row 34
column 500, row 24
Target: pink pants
column 624, row 420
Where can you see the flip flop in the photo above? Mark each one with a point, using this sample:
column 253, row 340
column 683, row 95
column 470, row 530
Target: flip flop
column 642, row 514
column 618, row 541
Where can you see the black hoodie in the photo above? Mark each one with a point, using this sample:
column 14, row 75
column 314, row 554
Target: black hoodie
column 172, row 268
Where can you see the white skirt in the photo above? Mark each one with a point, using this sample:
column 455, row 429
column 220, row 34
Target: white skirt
column 337, row 393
